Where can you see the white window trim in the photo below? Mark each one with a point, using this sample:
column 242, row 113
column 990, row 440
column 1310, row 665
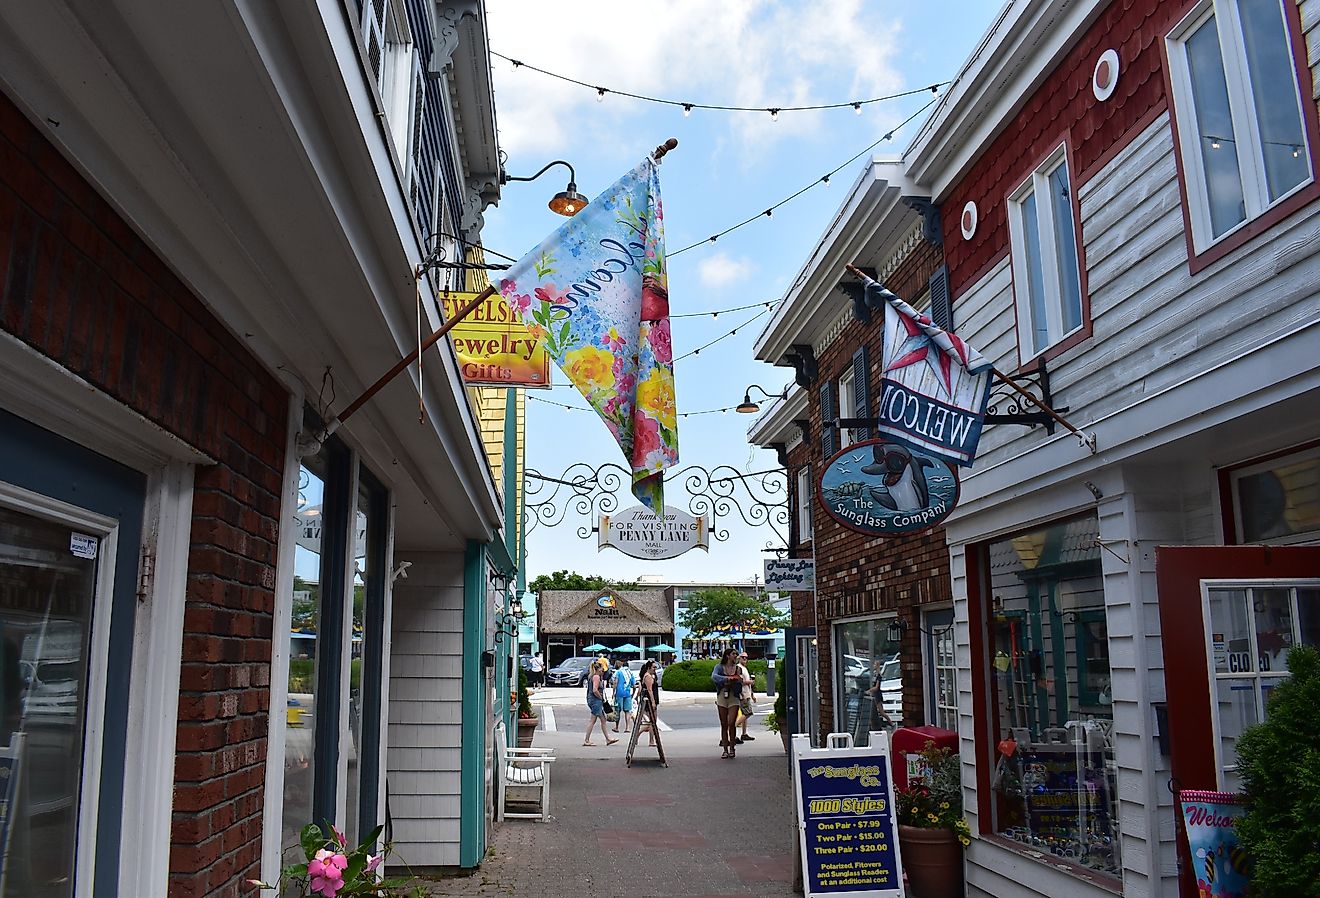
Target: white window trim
column 1038, row 183
column 929, row 664
column 1242, row 110
column 840, row 697
column 1214, row 676
column 846, row 388
column 804, row 492
column 1236, row 475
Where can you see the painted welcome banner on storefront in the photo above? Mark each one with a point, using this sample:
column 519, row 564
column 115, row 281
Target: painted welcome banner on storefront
column 929, row 424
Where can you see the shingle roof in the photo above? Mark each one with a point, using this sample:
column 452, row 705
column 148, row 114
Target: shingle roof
column 577, row 611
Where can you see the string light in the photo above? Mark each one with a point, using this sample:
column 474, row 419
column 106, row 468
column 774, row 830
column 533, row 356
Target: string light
column 688, row 105
column 580, row 408
column 687, row 110
column 774, row 115
column 600, row 95
column 825, row 179
column 723, row 336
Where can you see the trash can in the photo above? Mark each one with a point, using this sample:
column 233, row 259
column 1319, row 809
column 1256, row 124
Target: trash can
column 905, row 746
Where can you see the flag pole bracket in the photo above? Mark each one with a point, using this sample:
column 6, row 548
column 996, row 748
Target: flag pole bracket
column 1006, row 405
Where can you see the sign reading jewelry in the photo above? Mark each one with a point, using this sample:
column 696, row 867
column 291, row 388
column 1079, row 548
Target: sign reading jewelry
column 790, row 574
column 494, row 348
column 883, row 488
column 638, row 532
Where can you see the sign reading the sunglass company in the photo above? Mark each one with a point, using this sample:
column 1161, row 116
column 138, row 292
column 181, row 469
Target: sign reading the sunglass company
column 882, row 488
column 640, row 533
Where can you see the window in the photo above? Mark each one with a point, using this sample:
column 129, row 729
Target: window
column 1251, row 629
column 1239, row 113
column 847, row 405
column 392, row 66
column 868, row 678
column 943, row 670
column 804, row 500
column 1052, row 718
column 1043, row 235
column 1278, row 501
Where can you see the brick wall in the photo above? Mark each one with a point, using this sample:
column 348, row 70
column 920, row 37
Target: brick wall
column 82, row 288
column 858, row 575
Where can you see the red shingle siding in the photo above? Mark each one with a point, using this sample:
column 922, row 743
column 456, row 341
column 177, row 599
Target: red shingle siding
column 82, row 288
column 1064, row 107
column 858, row 575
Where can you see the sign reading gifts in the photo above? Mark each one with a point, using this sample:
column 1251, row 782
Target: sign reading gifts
column 493, row 347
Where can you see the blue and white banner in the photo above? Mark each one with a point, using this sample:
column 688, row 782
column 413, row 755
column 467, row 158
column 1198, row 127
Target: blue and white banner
column 934, row 387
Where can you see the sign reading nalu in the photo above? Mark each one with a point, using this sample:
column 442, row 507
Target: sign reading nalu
column 640, row 533
column 883, row 488
column 790, row 574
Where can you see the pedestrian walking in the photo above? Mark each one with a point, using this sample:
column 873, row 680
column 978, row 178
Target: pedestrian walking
column 746, row 708
column 596, row 704
column 623, row 695
column 650, row 687
column 536, row 670
column 728, row 699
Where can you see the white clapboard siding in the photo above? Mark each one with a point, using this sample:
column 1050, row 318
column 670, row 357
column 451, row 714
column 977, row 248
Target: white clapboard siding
column 1310, row 18
column 426, row 711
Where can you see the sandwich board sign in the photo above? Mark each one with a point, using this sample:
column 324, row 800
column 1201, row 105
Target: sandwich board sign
column 847, row 828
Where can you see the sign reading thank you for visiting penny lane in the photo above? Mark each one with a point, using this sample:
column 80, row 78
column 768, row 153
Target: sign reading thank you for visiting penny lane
column 883, row 488
column 640, row 533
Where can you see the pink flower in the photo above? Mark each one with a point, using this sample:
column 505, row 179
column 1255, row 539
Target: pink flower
column 338, row 862
column 646, row 439
column 519, row 302
column 317, row 865
column 327, row 887
column 507, row 286
column 373, row 861
column 661, row 343
column 551, row 294
column 613, row 340
column 339, row 837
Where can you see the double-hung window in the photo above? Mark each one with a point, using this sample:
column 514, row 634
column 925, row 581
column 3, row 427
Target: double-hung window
column 847, row 405
column 804, row 503
column 1043, row 232
column 1239, row 113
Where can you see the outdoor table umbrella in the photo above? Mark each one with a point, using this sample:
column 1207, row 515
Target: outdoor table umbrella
column 596, row 647
column 629, row 648
column 662, row 647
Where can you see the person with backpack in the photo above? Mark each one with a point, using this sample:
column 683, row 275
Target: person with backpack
column 624, row 685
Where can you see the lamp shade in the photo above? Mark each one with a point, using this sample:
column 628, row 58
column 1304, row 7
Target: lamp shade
column 568, row 202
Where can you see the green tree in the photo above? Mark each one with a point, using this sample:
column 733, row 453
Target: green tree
column 574, row 580
column 1280, row 764
column 722, row 608
column 306, row 597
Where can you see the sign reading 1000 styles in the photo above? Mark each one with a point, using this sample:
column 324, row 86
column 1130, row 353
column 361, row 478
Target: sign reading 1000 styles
column 845, row 810
column 884, row 488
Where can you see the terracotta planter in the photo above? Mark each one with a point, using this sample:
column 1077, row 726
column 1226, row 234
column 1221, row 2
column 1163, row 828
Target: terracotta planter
column 526, row 730
column 933, row 862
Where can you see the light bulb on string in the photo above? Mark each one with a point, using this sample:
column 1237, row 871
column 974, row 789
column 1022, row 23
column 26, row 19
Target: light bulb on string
column 825, row 180
column 687, row 110
column 857, row 108
column 600, row 95
column 774, row 115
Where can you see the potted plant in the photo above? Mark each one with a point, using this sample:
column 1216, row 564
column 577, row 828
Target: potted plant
column 1279, row 760
column 777, row 720
column 333, row 871
column 527, row 719
column 931, row 830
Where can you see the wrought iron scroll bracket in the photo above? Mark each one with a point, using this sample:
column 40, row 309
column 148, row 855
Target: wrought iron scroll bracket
column 1007, row 406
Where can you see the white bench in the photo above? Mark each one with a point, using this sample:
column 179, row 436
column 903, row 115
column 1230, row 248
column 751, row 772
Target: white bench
column 524, row 777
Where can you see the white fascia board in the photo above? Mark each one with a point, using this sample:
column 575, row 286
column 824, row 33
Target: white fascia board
column 775, row 424
column 1014, row 58
column 469, row 78
column 873, row 208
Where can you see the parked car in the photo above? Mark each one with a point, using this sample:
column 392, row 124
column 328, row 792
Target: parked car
column 570, row 672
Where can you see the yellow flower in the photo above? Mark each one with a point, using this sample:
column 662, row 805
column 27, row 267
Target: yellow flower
column 944, row 805
column 655, row 395
column 590, row 367
column 965, row 841
column 932, row 817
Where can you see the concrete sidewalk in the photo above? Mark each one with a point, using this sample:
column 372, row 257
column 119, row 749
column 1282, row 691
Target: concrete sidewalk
column 703, row 827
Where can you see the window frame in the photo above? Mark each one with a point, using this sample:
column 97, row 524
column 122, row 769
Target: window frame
column 1057, row 340
column 1230, row 478
column 805, row 490
column 1242, row 111
column 881, row 621
column 846, row 391
column 934, row 630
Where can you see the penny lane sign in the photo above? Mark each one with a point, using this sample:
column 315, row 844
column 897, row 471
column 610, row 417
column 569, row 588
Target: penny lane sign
column 883, row 488
column 639, row 533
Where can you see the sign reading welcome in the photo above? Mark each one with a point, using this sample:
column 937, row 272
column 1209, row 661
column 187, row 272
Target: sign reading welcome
column 638, row 532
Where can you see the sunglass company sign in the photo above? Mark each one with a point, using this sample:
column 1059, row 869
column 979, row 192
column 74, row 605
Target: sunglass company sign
column 638, row 532
column 884, row 488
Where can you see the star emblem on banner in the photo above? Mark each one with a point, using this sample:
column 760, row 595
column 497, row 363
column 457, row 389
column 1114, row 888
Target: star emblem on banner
column 918, row 347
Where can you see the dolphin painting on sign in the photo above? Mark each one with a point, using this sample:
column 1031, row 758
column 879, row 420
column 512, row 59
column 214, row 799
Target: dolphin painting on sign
column 884, row 488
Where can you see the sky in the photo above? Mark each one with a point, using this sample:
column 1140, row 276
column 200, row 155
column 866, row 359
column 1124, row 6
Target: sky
column 729, row 166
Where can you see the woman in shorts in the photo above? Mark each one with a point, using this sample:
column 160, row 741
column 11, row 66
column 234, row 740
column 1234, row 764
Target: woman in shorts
column 596, row 703
column 728, row 700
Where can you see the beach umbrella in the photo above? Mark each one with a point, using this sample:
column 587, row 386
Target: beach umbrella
column 629, row 648
column 662, row 647
column 596, row 647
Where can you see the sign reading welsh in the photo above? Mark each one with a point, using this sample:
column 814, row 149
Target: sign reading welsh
column 640, row 533
column 790, row 574
column 493, row 347
column 883, row 488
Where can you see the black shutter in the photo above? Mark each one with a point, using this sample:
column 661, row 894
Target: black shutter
column 861, row 392
column 829, row 435
column 941, row 307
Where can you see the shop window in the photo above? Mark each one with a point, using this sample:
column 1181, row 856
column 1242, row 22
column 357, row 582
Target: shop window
column 943, row 668
column 868, row 677
column 1239, row 113
column 1251, row 629
column 804, row 500
column 1052, row 726
column 1046, row 277
column 1278, row 501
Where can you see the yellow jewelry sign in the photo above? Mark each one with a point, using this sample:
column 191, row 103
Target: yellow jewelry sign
column 493, row 348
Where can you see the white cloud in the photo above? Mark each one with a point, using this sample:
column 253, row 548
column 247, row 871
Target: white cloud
column 719, row 270
column 755, row 53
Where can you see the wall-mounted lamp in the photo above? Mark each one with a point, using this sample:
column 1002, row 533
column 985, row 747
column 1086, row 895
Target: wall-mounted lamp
column 507, row 624
column 897, row 627
column 747, row 407
column 566, row 202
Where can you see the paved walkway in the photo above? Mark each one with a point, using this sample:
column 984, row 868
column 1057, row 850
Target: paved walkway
column 703, row 827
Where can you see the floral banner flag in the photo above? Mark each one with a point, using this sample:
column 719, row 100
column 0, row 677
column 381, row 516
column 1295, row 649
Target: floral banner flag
column 595, row 293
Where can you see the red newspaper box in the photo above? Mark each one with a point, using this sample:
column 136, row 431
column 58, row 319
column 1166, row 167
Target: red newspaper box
column 905, row 746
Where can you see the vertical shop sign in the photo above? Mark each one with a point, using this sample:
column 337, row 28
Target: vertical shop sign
column 845, row 814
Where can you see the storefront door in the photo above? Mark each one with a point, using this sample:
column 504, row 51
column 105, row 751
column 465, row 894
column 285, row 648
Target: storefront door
column 1228, row 615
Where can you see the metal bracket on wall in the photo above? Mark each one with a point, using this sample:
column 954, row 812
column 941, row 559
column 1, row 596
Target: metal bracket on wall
column 1007, row 406
column 803, row 359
